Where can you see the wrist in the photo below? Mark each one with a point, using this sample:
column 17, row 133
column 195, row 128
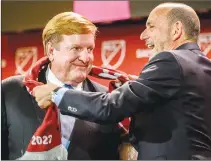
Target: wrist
column 54, row 93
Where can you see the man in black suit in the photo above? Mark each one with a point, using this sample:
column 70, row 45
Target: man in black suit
column 69, row 40
column 170, row 101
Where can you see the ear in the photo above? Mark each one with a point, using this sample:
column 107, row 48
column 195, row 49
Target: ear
column 177, row 30
column 49, row 51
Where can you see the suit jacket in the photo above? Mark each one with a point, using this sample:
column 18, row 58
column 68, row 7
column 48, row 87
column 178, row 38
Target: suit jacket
column 21, row 116
column 170, row 103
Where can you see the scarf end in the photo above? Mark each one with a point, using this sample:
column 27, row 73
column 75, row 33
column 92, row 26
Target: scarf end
column 57, row 153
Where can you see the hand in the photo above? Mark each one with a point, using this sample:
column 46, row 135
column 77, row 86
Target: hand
column 132, row 77
column 127, row 152
column 42, row 94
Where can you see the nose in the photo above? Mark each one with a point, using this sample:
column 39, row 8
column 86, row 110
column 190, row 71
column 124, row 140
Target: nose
column 144, row 35
column 84, row 56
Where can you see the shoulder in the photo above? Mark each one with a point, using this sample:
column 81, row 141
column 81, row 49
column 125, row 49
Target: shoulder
column 165, row 55
column 164, row 58
column 12, row 82
column 163, row 64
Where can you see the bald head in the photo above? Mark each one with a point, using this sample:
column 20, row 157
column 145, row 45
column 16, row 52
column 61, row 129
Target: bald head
column 169, row 25
column 183, row 13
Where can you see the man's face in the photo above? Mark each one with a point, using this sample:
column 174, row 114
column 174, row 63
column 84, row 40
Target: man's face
column 157, row 33
column 72, row 58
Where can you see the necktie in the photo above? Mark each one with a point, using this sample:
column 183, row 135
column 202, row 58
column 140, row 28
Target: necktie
column 68, row 86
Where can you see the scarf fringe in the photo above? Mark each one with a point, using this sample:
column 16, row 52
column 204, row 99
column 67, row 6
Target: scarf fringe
column 57, row 153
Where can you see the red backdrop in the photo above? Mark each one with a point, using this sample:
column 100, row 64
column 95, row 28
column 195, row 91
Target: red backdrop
column 117, row 46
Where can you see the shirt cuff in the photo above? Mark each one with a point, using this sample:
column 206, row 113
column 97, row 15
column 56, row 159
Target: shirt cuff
column 58, row 95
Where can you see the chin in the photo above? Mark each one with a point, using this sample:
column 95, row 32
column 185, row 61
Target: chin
column 156, row 51
column 153, row 51
column 75, row 81
column 80, row 78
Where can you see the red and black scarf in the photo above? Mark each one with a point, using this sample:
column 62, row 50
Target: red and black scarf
column 46, row 141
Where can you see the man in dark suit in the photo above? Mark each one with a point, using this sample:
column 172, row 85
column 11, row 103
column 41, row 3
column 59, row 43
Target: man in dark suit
column 170, row 101
column 69, row 40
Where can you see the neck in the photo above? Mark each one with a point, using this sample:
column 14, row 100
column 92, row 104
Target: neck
column 52, row 77
column 175, row 45
column 180, row 42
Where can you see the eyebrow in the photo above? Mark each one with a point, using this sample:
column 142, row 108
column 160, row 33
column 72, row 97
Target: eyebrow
column 79, row 45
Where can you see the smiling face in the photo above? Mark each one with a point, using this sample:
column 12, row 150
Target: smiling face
column 72, row 58
column 157, row 34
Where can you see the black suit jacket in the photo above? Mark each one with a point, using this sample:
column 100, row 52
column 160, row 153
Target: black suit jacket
column 20, row 117
column 170, row 103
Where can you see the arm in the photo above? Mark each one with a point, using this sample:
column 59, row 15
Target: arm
column 4, row 130
column 159, row 80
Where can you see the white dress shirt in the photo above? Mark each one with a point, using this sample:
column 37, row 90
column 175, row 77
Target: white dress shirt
column 67, row 122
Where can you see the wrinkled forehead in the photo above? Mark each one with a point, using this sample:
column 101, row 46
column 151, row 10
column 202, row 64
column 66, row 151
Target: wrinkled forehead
column 80, row 39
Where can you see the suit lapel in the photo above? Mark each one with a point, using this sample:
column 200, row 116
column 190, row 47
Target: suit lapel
column 79, row 124
column 40, row 113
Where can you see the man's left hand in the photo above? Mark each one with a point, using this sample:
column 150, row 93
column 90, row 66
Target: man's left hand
column 42, row 94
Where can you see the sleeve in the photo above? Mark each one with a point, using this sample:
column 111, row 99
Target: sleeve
column 159, row 81
column 57, row 96
column 4, row 130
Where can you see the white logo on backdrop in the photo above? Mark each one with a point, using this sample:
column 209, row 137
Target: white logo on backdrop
column 204, row 42
column 25, row 58
column 3, row 63
column 110, row 49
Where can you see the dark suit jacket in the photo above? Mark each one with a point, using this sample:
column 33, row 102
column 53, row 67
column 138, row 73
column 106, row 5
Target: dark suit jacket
column 20, row 117
column 170, row 103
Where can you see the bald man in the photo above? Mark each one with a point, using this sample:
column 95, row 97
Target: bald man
column 170, row 101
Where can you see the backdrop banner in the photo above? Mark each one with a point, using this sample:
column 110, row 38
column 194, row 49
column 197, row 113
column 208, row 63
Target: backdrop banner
column 117, row 47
